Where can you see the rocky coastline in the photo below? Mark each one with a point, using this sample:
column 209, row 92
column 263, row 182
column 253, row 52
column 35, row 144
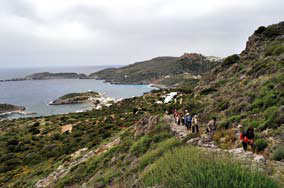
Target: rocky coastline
column 9, row 109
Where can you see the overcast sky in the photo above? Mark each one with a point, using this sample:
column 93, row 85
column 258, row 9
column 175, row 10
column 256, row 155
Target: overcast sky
column 110, row 32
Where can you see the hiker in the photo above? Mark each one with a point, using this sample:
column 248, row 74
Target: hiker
column 182, row 119
column 177, row 117
column 247, row 137
column 187, row 121
column 211, row 126
column 195, row 127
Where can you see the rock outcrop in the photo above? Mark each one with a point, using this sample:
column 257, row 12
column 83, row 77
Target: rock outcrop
column 257, row 43
column 146, row 124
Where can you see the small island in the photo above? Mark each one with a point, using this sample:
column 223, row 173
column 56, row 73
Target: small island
column 93, row 98
column 75, row 98
column 7, row 109
column 50, row 76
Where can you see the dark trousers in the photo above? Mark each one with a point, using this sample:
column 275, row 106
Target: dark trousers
column 195, row 128
column 178, row 121
column 245, row 146
column 188, row 126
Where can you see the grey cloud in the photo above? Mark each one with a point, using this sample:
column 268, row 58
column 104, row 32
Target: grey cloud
column 128, row 39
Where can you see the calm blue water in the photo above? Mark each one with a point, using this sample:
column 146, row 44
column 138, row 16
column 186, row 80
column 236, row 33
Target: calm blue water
column 36, row 94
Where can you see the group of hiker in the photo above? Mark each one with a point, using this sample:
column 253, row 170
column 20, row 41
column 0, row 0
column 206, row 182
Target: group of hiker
column 191, row 122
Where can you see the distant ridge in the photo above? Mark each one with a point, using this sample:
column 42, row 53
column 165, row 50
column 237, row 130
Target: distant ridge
column 156, row 69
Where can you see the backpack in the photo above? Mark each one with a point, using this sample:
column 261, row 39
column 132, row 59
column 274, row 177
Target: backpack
column 188, row 119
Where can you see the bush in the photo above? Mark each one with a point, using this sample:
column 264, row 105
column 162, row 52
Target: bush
column 208, row 91
column 278, row 153
column 141, row 146
column 270, row 115
column 235, row 118
column 274, row 50
column 260, row 30
column 34, row 130
column 190, row 167
column 152, row 155
column 272, row 31
column 36, row 124
column 223, row 105
column 260, row 144
column 231, row 60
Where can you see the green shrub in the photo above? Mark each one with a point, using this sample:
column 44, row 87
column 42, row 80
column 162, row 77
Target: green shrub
column 225, row 124
column 141, row 146
column 235, row 118
column 190, row 167
column 278, row 153
column 270, row 115
column 274, row 50
column 260, row 144
column 260, row 30
column 272, row 31
column 223, row 105
column 266, row 99
column 208, row 91
column 231, row 60
column 152, row 155
column 34, row 130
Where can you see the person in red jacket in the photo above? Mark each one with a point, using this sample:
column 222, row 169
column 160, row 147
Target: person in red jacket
column 247, row 138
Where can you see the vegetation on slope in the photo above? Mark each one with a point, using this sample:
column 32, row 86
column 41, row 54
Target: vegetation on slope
column 156, row 69
column 190, row 167
column 245, row 89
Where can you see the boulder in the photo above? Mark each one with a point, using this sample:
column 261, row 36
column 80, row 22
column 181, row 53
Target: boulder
column 259, row 159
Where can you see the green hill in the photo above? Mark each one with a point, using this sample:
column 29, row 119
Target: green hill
column 134, row 143
column 157, row 69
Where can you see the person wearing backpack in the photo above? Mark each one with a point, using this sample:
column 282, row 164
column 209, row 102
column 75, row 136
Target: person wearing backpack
column 187, row 121
column 247, row 138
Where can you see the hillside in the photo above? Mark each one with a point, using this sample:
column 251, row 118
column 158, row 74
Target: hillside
column 157, row 69
column 135, row 142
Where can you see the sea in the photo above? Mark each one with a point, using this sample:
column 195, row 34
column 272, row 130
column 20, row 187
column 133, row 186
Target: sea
column 36, row 95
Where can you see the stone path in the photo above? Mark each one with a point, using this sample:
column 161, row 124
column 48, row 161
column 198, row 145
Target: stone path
column 206, row 143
